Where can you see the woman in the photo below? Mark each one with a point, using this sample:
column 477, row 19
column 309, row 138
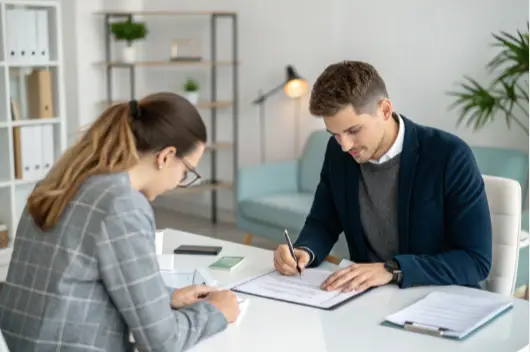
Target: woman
column 84, row 271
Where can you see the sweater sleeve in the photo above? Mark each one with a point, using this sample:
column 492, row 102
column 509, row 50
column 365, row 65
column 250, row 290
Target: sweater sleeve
column 468, row 224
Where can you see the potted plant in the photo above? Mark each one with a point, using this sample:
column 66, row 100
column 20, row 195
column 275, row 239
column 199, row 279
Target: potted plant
column 191, row 91
column 129, row 31
column 506, row 94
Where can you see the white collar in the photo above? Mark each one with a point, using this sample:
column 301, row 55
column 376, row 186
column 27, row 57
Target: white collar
column 397, row 147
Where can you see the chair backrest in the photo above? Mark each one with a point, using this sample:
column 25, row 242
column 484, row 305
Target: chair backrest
column 504, row 198
column 310, row 162
column 3, row 345
column 503, row 162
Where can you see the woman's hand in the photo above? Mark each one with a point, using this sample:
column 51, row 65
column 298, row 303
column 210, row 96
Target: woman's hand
column 190, row 295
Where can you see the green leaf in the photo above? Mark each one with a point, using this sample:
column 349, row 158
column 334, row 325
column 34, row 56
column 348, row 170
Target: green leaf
column 129, row 30
column 478, row 104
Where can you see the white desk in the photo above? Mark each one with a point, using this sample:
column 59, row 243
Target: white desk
column 269, row 325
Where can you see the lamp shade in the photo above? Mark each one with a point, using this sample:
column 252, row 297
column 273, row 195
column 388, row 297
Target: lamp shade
column 295, row 86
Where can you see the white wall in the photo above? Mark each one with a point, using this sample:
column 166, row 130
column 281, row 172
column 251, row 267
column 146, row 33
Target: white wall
column 420, row 47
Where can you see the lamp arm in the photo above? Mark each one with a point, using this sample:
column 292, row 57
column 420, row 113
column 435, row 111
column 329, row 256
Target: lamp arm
column 264, row 96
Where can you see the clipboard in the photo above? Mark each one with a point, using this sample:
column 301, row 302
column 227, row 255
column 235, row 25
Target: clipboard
column 450, row 333
column 338, row 299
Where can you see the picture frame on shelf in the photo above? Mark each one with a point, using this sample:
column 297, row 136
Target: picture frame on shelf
column 185, row 50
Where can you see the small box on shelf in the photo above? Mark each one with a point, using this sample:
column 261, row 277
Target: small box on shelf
column 4, row 236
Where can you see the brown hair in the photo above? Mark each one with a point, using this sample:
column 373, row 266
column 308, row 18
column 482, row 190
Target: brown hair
column 347, row 83
column 114, row 143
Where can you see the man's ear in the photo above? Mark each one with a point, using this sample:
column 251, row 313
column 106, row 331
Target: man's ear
column 386, row 108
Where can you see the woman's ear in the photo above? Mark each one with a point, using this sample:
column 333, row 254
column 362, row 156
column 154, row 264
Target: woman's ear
column 164, row 156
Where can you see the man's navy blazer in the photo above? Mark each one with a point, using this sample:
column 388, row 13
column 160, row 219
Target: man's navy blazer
column 444, row 224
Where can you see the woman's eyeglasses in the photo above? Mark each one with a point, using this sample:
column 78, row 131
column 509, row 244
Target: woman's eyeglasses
column 190, row 175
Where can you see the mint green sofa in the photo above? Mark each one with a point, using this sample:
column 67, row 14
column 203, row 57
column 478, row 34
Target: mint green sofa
column 275, row 196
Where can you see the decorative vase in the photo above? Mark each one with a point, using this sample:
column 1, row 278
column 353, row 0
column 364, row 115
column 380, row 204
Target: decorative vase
column 193, row 97
column 129, row 53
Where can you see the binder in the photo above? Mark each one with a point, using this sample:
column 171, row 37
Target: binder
column 453, row 316
column 39, row 94
column 24, row 162
column 48, row 146
column 30, row 17
column 35, row 145
column 43, row 36
column 21, row 19
column 12, row 41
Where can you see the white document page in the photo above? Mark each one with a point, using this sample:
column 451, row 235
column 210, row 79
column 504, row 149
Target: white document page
column 303, row 290
column 180, row 279
column 458, row 315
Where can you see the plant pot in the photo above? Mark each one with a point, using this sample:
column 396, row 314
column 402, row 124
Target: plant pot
column 193, row 97
column 129, row 53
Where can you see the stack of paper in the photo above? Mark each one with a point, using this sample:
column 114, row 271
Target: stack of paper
column 451, row 315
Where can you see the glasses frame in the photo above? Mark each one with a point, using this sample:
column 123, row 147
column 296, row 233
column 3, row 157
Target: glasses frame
column 189, row 169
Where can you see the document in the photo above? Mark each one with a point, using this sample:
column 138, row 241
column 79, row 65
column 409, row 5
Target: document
column 450, row 315
column 180, row 279
column 303, row 290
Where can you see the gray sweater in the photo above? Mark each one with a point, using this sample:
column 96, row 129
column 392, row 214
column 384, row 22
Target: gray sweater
column 378, row 207
column 94, row 278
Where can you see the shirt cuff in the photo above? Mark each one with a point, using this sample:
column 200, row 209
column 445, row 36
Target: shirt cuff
column 311, row 254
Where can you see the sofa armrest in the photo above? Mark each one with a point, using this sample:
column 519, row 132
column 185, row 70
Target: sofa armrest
column 269, row 178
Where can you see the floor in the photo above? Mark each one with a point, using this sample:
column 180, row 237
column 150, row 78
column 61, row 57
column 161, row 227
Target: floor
column 203, row 226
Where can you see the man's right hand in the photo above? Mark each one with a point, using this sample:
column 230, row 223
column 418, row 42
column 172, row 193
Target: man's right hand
column 285, row 263
column 226, row 302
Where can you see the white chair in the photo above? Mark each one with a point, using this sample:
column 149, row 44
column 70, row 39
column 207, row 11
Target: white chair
column 504, row 198
column 3, row 345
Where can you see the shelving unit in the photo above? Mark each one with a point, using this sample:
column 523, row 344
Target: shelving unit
column 213, row 104
column 14, row 106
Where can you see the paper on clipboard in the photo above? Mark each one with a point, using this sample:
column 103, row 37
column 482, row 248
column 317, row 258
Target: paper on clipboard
column 303, row 290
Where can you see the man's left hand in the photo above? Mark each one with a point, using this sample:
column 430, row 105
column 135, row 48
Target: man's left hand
column 358, row 277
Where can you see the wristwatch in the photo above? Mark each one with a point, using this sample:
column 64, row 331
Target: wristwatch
column 392, row 266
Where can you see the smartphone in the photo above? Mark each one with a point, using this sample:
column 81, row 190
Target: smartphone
column 198, row 250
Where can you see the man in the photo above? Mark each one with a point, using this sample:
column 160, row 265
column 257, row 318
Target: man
column 410, row 199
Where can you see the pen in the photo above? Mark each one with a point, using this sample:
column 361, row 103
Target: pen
column 291, row 249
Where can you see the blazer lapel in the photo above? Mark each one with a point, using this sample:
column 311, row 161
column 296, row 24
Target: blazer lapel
column 407, row 171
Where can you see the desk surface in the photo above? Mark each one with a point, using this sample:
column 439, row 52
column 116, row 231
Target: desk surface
column 269, row 325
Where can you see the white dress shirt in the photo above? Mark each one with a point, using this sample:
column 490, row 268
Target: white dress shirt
column 397, row 147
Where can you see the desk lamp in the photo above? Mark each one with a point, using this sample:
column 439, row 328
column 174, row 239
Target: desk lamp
column 294, row 87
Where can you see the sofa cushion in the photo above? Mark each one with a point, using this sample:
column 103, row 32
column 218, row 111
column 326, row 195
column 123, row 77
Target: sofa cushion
column 311, row 161
column 287, row 210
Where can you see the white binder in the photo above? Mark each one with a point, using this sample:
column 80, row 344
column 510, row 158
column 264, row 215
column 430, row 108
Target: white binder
column 22, row 35
column 36, row 151
column 12, row 39
column 47, row 148
column 43, row 37
column 30, row 17
column 27, row 152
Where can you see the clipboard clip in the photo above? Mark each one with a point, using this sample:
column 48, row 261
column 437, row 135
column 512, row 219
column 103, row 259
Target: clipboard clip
column 424, row 329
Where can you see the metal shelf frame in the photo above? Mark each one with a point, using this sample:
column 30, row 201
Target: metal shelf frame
column 214, row 104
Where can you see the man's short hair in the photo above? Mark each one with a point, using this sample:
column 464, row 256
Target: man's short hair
column 346, row 83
